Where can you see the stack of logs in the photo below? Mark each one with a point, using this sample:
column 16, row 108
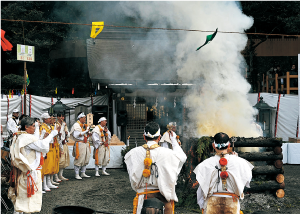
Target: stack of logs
column 273, row 168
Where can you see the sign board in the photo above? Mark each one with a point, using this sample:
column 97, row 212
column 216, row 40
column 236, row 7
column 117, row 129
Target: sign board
column 89, row 119
column 25, row 53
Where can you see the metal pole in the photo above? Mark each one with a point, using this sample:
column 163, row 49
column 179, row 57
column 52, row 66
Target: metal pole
column 299, row 89
column 114, row 117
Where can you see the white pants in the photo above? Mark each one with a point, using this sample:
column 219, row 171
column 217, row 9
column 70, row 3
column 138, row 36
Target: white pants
column 76, row 168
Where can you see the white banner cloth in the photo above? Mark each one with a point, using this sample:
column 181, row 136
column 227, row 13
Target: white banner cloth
column 291, row 153
column 39, row 103
column 115, row 158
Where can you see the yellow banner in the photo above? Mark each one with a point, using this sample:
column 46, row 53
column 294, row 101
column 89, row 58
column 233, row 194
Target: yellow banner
column 95, row 26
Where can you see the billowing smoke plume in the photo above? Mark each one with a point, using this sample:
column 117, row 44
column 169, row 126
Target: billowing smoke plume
column 218, row 102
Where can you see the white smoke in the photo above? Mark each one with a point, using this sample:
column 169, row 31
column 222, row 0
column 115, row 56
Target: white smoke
column 219, row 100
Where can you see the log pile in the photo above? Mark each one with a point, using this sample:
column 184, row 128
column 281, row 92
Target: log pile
column 272, row 169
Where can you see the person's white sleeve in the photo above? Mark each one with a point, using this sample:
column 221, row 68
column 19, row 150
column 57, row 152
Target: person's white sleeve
column 37, row 130
column 11, row 126
column 177, row 149
column 42, row 134
column 78, row 134
column 2, row 144
column 42, row 145
column 96, row 140
column 200, row 197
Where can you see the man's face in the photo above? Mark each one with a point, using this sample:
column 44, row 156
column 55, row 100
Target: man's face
column 293, row 67
column 61, row 118
column 16, row 114
column 103, row 123
column 174, row 128
column 30, row 129
column 53, row 119
column 82, row 119
column 48, row 120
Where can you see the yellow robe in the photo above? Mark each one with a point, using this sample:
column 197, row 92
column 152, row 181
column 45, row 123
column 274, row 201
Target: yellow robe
column 51, row 163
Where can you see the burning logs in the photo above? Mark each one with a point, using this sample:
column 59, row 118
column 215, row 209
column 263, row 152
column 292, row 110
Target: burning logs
column 272, row 171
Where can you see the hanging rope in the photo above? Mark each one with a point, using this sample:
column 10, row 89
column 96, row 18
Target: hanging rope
column 148, row 28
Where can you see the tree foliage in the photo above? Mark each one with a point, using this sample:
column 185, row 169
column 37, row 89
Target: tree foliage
column 45, row 73
column 12, row 81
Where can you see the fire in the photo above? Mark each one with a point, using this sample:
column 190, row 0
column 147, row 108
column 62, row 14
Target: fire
column 195, row 184
column 191, row 169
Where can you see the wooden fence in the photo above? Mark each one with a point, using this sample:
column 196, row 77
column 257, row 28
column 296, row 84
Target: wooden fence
column 275, row 88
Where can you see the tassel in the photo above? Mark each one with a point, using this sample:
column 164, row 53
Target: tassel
column 85, row 139
column 96, row 157
column 32, row 189
column 146, row 191
column 28, row 186
column 77, row 151
column 42, row 160
column 173, row 207
column 135, row 203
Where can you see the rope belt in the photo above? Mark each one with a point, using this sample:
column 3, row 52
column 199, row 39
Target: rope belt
column 136, row 200
column 235, row 197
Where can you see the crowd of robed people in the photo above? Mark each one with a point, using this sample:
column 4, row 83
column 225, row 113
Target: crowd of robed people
column 40, row 153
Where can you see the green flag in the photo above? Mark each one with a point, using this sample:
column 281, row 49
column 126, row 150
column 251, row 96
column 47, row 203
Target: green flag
column 209, row 38
column 27, row 80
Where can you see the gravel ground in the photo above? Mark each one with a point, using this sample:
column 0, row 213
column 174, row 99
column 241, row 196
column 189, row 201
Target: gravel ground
column 113, row 194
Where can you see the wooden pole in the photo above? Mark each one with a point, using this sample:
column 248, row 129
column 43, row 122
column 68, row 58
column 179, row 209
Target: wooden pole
column 288, row 82
column 24, row 86
column 276, row 83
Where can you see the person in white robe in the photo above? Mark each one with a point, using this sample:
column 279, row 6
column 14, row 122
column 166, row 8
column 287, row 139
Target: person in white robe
column 81, row 149
column 64, row 160
column 222, row 179
column 101, row 137
column 166, row 165
column 1, row 138
column 26, row 148
column 12, row 125
column 165, row 141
